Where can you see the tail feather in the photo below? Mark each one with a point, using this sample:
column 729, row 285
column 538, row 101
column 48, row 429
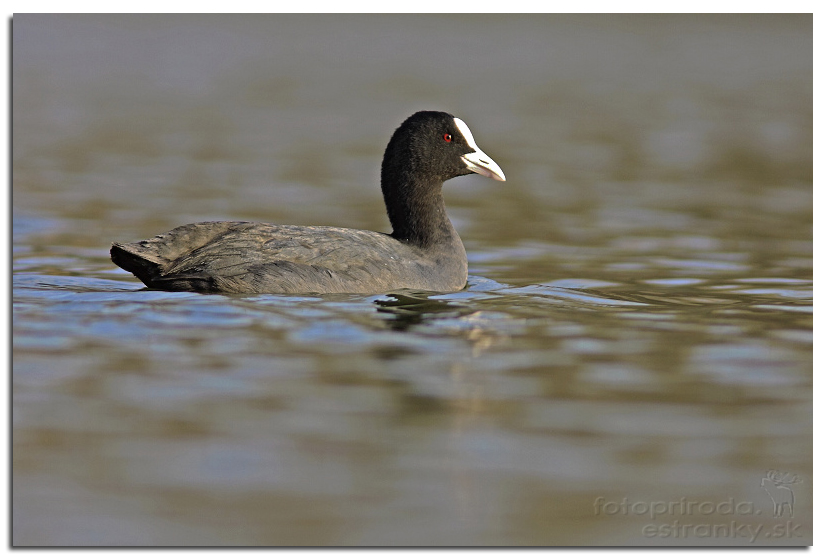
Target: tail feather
column 146, row 267
column 151, row 259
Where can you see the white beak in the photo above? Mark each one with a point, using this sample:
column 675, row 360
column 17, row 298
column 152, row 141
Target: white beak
column 477, row 160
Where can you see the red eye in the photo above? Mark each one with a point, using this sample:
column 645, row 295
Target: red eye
column 448, row 138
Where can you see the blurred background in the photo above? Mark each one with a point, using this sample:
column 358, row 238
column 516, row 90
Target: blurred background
column 637, row 327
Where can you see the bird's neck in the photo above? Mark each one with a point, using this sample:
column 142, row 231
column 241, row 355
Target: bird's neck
column 417, row 211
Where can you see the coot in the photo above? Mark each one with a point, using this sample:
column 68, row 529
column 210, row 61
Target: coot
column 423, row 252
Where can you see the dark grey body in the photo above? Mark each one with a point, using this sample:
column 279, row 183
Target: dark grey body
column 245, row 257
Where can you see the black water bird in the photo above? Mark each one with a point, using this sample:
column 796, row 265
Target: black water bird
column 423, row 252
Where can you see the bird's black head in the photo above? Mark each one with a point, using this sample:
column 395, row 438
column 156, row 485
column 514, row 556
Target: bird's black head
column 433, row 146
column 427, row 149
